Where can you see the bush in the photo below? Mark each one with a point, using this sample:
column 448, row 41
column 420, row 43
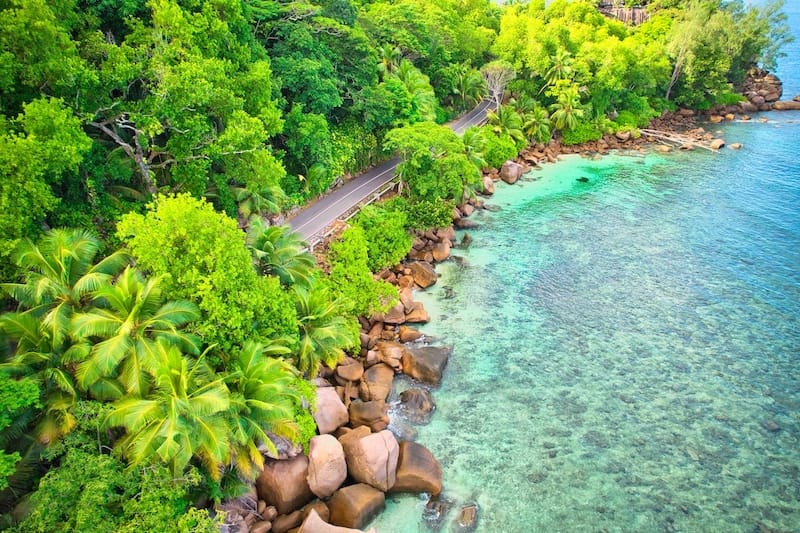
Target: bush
column 498, row 148
column 385, row 232
column 423, row 214
column 583, row 132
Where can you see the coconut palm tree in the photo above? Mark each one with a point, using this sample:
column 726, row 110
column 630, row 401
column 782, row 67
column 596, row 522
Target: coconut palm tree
column 129, row 317
column 389, row 57
column 183, row 417
column 323, row 329
column 474, row 144
column 469, row 86
column 59, row 275
column 254, row 203
column 50, row 365
column 536, row 124
column 561, row 69
column 418, row 85
column 566, row 111
column 278, row 251
column 507, row 120
column 262, row 401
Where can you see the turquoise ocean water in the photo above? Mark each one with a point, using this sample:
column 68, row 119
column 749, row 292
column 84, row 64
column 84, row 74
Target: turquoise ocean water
column 627, row 350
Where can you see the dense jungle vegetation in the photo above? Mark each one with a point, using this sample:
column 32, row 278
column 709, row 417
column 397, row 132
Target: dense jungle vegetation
column 158, row 332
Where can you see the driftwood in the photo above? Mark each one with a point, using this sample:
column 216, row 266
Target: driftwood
column 676, row 139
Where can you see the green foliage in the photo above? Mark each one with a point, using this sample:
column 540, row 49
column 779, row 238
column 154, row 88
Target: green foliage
column 385, row 232
column 434, row 161
column 304, row 409
column 583, row 132
column 90, row 490
column 16, row 397
column 202, row 257
column 423, row 214
column 498, row 148
column 37, row 150
column 351, row 280
column 309, row 145
column 324, row 331
column 278, row 251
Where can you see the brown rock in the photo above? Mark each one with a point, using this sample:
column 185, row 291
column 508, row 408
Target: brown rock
column 405, row 281
column 467, row 517
column 377, row 382
column 511, row 171
column 735, row 146
column 786, row 105
column 314, row 523
column 465, row 223
column 467, row 210
column 715, row 119
column 716, row 144
column 284, row 523
column 327, row 468
column 686, row 112
column 426, row 364
column 270, row 513
column 417, row 405
column 623, row 136
column 748, row 107
column 372, row 459
column 391, row 353
column 424, row 274
column 409, row 334
column 729, row 116
column 318, row 507
column 663, row 148
column 441, row 251
column 417, row 470
column 262, row 526
column 331, row 412
column 488, row 185
column 374, row 414
column 284, row 485
column 350, row 370
column 406, row 299
column 395, row 315
column 418, row 314
column 356, row 505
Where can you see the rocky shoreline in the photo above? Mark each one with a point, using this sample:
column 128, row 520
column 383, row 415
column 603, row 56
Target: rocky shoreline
column 340, row 483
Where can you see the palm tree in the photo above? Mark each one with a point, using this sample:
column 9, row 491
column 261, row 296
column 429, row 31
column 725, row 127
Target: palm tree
column 419, row 88
column 263, row 400
column 389, row 58
column 323, row 329
column 536, row 124
column 185, row 415
column 561, row 69
column 278, row 251
column 566, row 111
column 474, row 144
column 507, row 120
column 50, row 365
column 469, row 86
column 129, row 317
column 59, row 275
column 254, row 203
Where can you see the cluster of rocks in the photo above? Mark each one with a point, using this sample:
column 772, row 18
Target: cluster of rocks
column 339, row 485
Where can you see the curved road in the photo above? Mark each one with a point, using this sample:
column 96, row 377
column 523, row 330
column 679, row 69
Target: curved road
column 312, row 220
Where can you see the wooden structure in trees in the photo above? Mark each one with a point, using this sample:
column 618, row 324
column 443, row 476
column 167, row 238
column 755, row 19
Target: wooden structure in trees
column 629, row 15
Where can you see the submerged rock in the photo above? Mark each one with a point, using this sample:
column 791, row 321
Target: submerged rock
column 417, row 405
column 467, row 518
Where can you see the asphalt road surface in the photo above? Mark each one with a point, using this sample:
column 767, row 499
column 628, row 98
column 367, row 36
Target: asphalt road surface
column 313, row 220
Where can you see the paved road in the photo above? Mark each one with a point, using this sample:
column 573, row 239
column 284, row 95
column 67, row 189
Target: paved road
column 312, row 220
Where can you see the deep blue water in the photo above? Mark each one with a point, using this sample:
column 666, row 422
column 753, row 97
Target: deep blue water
column 627, row 350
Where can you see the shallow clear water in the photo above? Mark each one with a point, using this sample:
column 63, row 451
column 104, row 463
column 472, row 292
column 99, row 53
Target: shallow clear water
column 627, row 350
